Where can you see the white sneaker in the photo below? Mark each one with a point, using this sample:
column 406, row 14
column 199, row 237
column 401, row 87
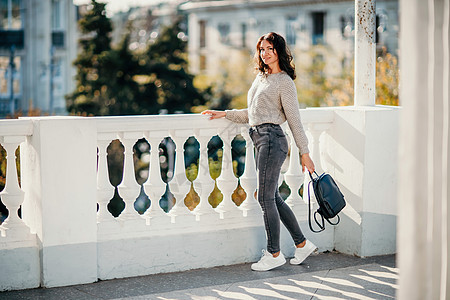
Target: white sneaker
column 268, row 262
column 302, row 253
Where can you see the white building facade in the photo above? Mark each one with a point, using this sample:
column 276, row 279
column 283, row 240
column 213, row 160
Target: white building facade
column 218, row 28
column 40, row 38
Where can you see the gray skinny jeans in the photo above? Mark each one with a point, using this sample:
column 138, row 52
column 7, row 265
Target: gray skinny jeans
column 271, row 151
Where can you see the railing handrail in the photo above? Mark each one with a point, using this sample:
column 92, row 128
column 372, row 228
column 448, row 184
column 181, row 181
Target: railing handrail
column 179, row 121
column 15, row 127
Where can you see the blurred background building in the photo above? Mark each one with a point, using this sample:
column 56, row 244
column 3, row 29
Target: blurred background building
column 38, row 41
column 37, row 47
column 220, row 30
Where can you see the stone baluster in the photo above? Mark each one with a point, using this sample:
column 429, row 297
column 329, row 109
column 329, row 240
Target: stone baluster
column 12, row 195
column 203, row 184
column 154, row 187
column 249, row 177
column 179, row 185
column 316, row 130
column 315, row 155
column 294, row 176
column 227, row 181
column 129, row 189
column 105, row 190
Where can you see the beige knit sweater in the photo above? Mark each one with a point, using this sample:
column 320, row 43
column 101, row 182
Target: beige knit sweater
column 273, row 99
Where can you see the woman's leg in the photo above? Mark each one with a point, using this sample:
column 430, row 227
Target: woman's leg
column 289, row 220
column 270, row 156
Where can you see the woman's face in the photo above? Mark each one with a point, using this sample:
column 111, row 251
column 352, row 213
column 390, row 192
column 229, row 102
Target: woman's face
column 267, row 53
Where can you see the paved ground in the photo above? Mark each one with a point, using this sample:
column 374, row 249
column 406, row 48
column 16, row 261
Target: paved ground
column 322, row 276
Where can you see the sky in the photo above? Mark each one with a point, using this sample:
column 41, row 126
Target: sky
column 120, row 5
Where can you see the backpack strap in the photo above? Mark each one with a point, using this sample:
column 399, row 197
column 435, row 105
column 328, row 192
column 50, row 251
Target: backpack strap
column 322, row 227
column 338, row 220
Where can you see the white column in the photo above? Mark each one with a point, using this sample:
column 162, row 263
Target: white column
column 445, row 280
column 203, row 184
column 365, row 50
column 105, row 190
column 434, row 142
column 294, row 175
column 154, row 187
column 60, row 206
column 129, row 189
column 179, row 185
column 316, row 130
column 420, row 128
column 226, row 182
column 249, row 177
column 12, row 195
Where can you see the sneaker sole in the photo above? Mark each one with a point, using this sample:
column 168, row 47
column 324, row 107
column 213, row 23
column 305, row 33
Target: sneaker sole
column 296, row 261
column 268, row 269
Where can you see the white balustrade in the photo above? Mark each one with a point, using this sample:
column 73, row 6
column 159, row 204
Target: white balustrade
column 129, row 189
column 249, row 177
column 105, row 190
column 130, row 225
column 179, row 184
column 12, row 195
column 203, row 184
column 154, row 187
column 227, row 181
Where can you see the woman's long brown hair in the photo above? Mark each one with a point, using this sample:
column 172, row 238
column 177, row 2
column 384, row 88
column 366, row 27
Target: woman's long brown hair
column 283, row 52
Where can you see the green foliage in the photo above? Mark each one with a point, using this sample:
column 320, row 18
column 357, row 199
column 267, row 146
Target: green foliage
column 164, row 69
column 117, row 81
column 92, row 64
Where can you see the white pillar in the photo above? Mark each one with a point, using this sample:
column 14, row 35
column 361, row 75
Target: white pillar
column 105, row 190
column 365, row 60
column 154, row 187
column 423, row 242
column 58, row 166
column 294, row 175
column 129, row 189
column 203, row 184
column 179, row 185
column 227, row 182
column 249, row 178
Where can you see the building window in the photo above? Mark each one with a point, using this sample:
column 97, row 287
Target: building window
column 202, row 25
column 290, row 30
column 9, row 73
column 244, row 34
column 343, row 23
column 56, row 15
column 11, row 14
column 224, row 31
column 318, row 22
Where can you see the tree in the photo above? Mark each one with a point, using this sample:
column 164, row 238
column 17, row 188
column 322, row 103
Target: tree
column 92, row 63
column 165, row 68
column 118, row 81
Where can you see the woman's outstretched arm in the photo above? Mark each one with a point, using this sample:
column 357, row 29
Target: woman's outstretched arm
column 214, row 114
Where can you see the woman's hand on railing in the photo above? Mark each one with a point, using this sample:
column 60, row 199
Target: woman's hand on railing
column 308, row 163
column 214, row 114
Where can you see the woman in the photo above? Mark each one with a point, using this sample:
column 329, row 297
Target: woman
column 272, row 100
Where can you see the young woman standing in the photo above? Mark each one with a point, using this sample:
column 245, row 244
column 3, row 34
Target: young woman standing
column 272, row 100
